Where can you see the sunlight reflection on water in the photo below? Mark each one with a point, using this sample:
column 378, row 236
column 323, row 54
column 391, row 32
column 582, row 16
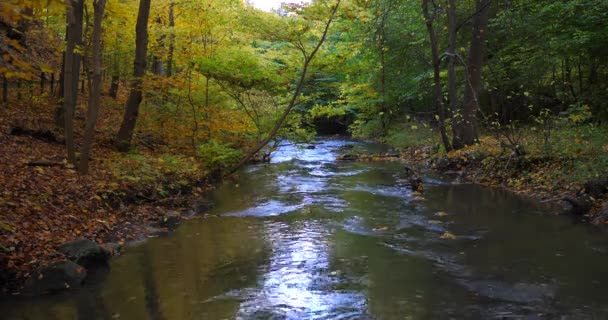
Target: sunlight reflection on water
column 309, row 237
column 288, row 287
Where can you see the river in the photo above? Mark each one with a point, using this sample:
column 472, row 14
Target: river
column 306, row 237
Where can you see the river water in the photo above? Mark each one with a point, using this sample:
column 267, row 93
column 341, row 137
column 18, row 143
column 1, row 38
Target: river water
column 306, row 237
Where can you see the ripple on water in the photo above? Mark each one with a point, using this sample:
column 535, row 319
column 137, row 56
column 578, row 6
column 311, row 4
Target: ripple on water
column 331, row 203
column 333, row 170
column 301, row 184
column 385, row 191
column 419, row 221
column 358, row 225
column 350, row 240
column 268, row 208
column 289, row 153
column 525, row 293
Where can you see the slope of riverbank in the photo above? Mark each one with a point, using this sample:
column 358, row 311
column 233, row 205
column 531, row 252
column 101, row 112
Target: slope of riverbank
column 45, row 202
column 305, row 237
column 572, row 176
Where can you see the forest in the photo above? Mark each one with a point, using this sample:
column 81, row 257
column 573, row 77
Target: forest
column 118, row 114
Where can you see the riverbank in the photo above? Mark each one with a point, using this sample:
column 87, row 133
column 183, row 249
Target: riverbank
column 45, row 202
column 351, row 239
column 570, row 173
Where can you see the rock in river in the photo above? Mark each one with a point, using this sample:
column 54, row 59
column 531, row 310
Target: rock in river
column 55, row 277
column 85, row 252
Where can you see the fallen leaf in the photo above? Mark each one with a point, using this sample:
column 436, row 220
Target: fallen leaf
column 380, row 228
column 447, row 235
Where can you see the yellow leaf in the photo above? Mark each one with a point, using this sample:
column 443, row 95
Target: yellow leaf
column 441, row 214
column 447, row 235
column 420, row 188
column 45, row 68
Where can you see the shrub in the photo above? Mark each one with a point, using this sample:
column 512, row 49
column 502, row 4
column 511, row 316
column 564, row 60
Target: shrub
column 216, row 155
column 411, row 135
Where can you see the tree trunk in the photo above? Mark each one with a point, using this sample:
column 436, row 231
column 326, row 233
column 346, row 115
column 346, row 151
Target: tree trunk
column 465, row 122
column 307, row 59
column 206, row 92
column 52, row 88
column 41, row 82
column 114, row 86
column 77, row 8
column 579, row 68
column 70, row 94
column 4, row 90
column 60, row 90
column 157, row 61
column 157, row 66
column 569, row 82
column 452, row 37
column 380, row 44
column 115, row 71
column 94, row 89
column 437, row 91
column 171, row 39
column 79, row 13
column 125, row 134
column 59, row 114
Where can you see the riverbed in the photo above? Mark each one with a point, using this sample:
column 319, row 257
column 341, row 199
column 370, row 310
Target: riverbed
column 307, row 237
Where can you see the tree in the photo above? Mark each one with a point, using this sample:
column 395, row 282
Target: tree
column 451, row 56
column 157, row 65
column 171, row 38
column 125, row 134
column 307, row 59
column 71, row 73
column 94, row 88
column 464, row 121
column 436, row 63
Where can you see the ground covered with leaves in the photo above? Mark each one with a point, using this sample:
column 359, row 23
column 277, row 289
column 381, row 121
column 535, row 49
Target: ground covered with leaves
column 44, row 202
column 570, row 165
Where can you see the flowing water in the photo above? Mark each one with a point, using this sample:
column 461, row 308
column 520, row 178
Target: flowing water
column 306, row 237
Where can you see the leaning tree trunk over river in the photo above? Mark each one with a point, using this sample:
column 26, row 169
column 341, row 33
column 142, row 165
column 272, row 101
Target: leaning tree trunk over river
column 307, row 60
column 125, row 134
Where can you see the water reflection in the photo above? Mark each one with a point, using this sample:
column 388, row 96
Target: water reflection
column 309, row 238
column 267, row 209
column 291, row 286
